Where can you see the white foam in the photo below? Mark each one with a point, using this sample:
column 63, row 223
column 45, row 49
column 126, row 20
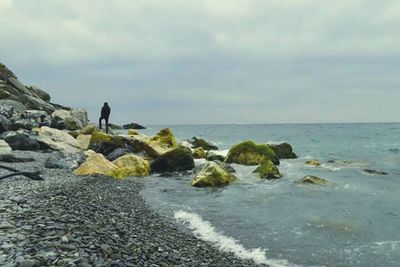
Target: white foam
column 332, row 168
column 205, row 231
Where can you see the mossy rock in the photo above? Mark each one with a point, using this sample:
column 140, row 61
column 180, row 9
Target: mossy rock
column 176, row 160
column 199, row 142
column 313, row 162
column 164, row 138
column 99, row 137
column 132, row 165
column 212, row 175
column 89, row 129
column 98, row 164
column 268, row 170
column 311, row 179
column 199, row 153
column 211, row 156
column 249, row 153
column 283, row 151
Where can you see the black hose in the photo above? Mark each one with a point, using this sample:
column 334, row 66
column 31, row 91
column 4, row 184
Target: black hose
column 31, row 175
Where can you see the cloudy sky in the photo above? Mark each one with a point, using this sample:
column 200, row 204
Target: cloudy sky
column 210, row 61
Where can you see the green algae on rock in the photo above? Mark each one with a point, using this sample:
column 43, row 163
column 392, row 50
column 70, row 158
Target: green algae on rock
column 283, row 151
column 199, row 153
column 250, row 153
column 176, row 160
column 212, row 175
column 268, row 170
column 313, row 162
column 311, row 179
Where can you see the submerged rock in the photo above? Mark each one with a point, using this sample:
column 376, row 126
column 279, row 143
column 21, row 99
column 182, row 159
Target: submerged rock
column 249, row 153
column 311, row 179
column 178, row 159
column 212, row 175
column 268, row 170
column 199, row 142
column 283, row 151
column 132, row 165
column 313, row 162
column 374, row 172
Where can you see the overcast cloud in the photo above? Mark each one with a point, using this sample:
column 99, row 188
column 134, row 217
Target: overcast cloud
column 209, row 61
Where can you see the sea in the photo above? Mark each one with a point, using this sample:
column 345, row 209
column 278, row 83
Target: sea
column 355, row 221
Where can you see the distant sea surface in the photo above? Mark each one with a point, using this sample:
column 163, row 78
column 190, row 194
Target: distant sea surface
column 353, row 222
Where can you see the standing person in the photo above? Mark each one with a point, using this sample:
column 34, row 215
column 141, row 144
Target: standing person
column 105, row 114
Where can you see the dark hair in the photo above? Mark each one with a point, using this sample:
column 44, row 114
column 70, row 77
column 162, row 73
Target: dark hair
column 105, row 103
column 42, row 116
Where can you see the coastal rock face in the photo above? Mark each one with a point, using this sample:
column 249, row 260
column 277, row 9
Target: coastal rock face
column 21, row 141
column 313, row 162
column 58, row 140
column 132, row 165
column 176, row 160
column 199, row 153
column 5, row 149
column 199, row 142
column 133, row 126
column 283, row 151
column 249, row 153
column 268, row 170
column 311, row 179
column 212, row 175
column 97, row 164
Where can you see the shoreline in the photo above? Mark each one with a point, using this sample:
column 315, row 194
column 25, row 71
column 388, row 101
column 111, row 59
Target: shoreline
column 68, row 220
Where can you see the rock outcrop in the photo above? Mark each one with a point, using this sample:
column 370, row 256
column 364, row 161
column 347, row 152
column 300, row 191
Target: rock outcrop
column 133, row 126
column 249, row 153
column 212, row 175
column 268, row 170
column 283, row 151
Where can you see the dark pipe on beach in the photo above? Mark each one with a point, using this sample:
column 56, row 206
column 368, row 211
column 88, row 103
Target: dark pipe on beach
column 31, row 175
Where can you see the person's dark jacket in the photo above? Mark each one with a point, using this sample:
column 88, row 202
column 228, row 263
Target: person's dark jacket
column 105, row 111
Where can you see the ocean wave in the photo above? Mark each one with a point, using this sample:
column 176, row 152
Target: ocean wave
column 205, row 231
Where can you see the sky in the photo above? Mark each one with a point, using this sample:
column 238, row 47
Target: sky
column 208, row 61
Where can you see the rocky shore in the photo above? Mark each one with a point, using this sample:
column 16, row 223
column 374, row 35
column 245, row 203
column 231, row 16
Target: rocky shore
column 94, row 220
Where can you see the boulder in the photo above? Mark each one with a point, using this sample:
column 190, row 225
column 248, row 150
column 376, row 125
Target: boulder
column 69, row 119
column 21, row 141
column 313, row 162
column 27, row 124
column 89, row 129
column 159, row 144
column 132, row 132
column 211, row 156
column 40, row 93
column 59, row 160
column 268, row 170
column 97, row 164
column 132, row 165
column 249, row 153
column 5, row 148
column 118, row 152
column 58, row 140
column 283, row 151
column 6, row 111
column 81, row 115
column 311, row 179
column 199, row 142
column 4, row 124
column 17, row 106
column 212, row 175
column 84, row 140
column 199, row 153
column 33, row 114
column 133, row 126
column 34, row 102
column 178, row 159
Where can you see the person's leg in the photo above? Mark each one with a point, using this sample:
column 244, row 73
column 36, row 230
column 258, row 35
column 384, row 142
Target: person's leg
column 106, row 119
column 100, row 122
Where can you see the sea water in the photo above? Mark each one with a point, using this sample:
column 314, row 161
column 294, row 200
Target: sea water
column 353, row 222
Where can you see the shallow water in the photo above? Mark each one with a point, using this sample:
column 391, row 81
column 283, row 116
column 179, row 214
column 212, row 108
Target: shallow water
column 353, row 222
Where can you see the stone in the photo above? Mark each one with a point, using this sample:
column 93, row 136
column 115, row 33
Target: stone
column 212, row 175
column 17, row 106
column 81, row 115
column 132, row 132
column 89, row 129
column 313, row 162
column 5, row 148
column 199, row 142
column 6, row 111
column 40, row 93
column 58, row 140
column 97, row 164
column 4, row 124
column 311, row 179
column 249, row 153
column 161, row 143
column 211, row 156
column 115, row 127
column 59, row 160
column 283, row 151
column 268, row 170
column 118, row 152
column 21, row 141
column 33, row 114
column 84, row 140
column 64, row 119
column 199, row 153
column 178, row 159
column 132, row 165
column 133, row 126
column 26, row 123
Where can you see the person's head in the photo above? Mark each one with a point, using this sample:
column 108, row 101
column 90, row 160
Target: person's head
column 42, row 117
column 105, row 104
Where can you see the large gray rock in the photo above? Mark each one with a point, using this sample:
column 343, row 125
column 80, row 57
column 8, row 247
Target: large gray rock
column 5, row 148
column 178, row 159
column 17, row 106
column 59, row 160
column 4, row 124
column 81, row 115
column 58, row 140
column 40, row 93
column 27, row 124
column 71, row 120
column 21, row 141
column 7, row 111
